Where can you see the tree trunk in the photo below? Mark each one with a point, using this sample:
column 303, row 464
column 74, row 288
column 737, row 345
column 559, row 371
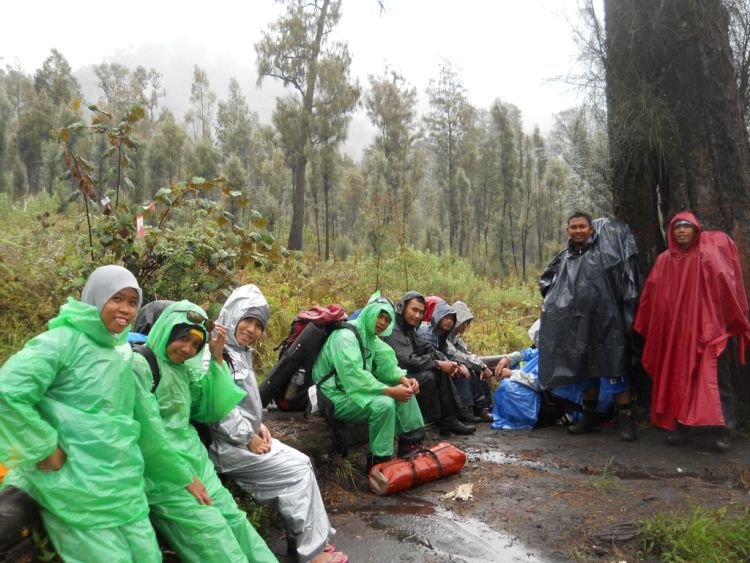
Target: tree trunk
column 677, row 139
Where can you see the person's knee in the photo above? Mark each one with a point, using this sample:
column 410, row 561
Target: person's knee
column 382, row 405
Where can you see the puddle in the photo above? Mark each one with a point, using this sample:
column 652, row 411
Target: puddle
column 445, row 534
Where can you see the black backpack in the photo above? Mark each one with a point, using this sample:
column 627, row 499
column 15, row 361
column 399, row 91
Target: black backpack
column 204, row 432
column 289, row 380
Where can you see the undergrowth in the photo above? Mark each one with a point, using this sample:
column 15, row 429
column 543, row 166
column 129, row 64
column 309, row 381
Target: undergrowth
column 703, row 535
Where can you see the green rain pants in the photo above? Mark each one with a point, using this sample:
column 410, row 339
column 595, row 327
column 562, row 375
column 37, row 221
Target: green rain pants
column 125, row 544
column 206, row 534
column 385, row 418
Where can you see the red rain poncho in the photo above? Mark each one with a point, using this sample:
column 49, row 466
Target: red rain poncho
column 693, row 302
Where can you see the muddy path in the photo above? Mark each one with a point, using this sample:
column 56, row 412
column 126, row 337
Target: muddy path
column 541, row 495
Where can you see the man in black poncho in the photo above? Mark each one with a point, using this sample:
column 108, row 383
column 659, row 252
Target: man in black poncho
column 590, row 290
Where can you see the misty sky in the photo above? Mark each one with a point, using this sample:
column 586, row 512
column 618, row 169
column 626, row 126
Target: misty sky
column 507, row 49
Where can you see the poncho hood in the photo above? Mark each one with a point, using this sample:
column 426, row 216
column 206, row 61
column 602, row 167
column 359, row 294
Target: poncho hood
column 175, row 314
column 672, row 244
column 87, row 319
column 366, row 320
column 244, row 302
column 463, row 314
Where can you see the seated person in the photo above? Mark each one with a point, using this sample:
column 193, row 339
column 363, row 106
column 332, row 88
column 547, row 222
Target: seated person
column 243, row 449
column 436, row 333
column 474, row 391
column 216, row 530
column 437, row 395
column 519, row 403
column 73, row 429
column 372, row 389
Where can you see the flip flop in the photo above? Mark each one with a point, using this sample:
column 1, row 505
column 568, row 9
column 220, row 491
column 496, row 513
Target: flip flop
column 329, row 548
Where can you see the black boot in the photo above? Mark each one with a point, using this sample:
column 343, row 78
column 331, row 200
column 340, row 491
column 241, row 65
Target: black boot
column 373, row 460
column 722, row 442
column 451, row 425
column 409, row 442
column 588, row 422
column 466, row 415
column 679, row 437
column 626, row 425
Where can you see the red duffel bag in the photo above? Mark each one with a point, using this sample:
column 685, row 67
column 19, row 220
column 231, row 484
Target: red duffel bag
column 420, row 466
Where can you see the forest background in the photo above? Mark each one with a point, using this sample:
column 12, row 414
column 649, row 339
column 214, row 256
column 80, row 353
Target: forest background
column 456, row 200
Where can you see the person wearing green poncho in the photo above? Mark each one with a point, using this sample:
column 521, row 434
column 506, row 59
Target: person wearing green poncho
column 379, row 393
column 74, row 428
column 215, row 530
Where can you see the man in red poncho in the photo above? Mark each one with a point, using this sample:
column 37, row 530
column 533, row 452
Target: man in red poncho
column 693, row 315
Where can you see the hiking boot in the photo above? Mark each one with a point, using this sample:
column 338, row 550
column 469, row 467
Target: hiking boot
column 409, row 448
column 722, row 443
column 452, row 425
column 466, row 415
column 485, row 415
column 679, row 437
column 373, row 460
column 589, row 422
column 626, row 426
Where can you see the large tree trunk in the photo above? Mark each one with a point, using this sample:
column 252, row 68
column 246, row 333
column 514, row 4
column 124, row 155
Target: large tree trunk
column 677, row 138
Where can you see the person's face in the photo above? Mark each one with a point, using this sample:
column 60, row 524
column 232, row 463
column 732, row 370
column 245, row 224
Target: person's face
column 184, row 348
column 579, row 230
column 248, row 332
column 382, row 322
column 685, row 234
column 413, row 312
column 446, row 323
column 119, row 310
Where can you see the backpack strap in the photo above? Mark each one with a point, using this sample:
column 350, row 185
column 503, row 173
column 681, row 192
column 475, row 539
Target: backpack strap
column 147, row 353
column 228, row 359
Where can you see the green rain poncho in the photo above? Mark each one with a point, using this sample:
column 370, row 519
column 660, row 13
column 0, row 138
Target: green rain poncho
column 357, row 392
column 199, row 533
column 74, row 386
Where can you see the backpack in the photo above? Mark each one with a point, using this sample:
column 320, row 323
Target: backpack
column 204, row 432
column 290, row 378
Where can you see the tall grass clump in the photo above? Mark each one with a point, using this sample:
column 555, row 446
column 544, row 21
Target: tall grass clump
column 703, row 535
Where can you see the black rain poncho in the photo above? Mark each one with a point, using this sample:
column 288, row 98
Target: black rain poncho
column 590, row 297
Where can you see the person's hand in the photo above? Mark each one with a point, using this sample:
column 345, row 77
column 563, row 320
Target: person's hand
column 448, row 367
column 53, row 461
column 505, row 372
column 265, row 433
column 463, row 371
column 197, row 489
column 411, row 383
column 399, row 392
column 216, row 341
column 501, row 365
column 486, row 373
column 258, row 445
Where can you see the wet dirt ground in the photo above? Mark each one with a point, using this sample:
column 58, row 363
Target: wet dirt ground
column 540, row 495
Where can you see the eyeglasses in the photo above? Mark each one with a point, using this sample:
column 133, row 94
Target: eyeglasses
column 383, row 301
column 198, row 319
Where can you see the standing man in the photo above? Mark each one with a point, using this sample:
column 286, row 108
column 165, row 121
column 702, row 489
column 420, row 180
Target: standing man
column 437, row 397
column 694, row 317
column 590, row 290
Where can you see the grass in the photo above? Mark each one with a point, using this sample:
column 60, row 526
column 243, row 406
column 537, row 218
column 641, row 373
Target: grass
column 708, row 536
column 607, row 480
